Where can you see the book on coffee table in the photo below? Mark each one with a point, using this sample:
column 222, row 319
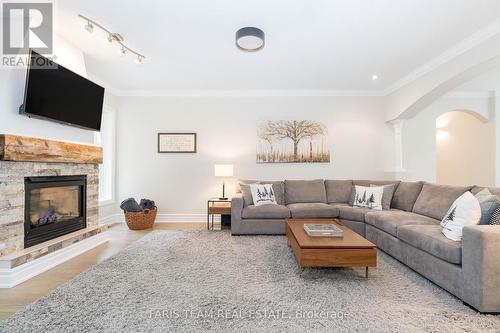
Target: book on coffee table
column 323, row 230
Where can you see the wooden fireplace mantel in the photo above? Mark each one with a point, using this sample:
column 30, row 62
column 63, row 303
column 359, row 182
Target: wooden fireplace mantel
column 27, row 149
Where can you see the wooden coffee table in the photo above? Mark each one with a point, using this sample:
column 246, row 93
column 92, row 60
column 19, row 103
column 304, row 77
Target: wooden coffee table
column 352, row 250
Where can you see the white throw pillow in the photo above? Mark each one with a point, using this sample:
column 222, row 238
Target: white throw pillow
column 368, row 197
column 263, row 194
column 464, row 211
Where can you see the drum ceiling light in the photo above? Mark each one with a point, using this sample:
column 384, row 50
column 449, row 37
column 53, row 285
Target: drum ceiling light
column 250, row 39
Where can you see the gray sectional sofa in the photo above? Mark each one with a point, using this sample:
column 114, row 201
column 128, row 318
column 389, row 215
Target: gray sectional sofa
column 409, row 231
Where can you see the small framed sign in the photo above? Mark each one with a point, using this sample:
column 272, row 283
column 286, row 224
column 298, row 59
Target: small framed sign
column 176, row 142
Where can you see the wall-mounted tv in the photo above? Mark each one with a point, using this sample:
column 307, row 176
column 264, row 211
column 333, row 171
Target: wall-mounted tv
column 55, row 93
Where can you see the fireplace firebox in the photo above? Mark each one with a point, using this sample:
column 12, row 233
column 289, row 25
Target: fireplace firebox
column 54, row 206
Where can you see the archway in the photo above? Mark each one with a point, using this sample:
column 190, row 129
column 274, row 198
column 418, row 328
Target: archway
column 465, row 149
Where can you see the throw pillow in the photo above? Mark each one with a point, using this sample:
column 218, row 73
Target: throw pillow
column 488, row 203
column 495, row 217
column 463, row 212
column 387, row 196
column 263, row 194
column 244, row 182
column 368, row 197
column 246, row 194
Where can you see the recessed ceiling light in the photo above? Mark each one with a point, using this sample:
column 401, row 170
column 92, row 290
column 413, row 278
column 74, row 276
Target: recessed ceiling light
column 250, row 39
column 374, row 77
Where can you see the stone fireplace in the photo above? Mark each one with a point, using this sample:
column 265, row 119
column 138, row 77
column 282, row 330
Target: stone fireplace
column 19, row 220
column 48, row 204
column 53, row 206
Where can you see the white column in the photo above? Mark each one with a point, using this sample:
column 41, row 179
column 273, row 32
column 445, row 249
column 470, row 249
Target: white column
column 495, row 110
column 398, row 169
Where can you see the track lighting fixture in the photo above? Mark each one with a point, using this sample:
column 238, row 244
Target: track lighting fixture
column 113, row 37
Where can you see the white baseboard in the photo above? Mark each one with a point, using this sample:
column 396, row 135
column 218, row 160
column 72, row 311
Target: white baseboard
column 10, row 277
column 110, row 219
column 162, row 218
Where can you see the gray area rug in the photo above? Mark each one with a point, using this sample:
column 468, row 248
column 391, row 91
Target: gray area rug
column 211, row 281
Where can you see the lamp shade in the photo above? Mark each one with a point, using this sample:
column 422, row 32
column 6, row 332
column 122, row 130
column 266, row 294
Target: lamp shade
column 223, row 170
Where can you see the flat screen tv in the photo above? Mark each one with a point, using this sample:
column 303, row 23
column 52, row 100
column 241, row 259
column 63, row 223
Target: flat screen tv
column 55, row 93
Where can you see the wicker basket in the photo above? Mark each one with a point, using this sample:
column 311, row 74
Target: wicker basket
column 141, row 220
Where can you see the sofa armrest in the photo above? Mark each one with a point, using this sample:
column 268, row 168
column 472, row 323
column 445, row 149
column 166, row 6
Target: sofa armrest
column 236, row 213
column 481, row 267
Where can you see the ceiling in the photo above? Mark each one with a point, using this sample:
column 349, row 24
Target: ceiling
column 327, row 45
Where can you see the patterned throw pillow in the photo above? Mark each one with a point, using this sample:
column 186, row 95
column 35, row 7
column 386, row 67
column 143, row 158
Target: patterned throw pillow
column 495, row 217
column 388, row 194
column 368, row 197
column 263, row 194
column 463, row 212
column 489, row 203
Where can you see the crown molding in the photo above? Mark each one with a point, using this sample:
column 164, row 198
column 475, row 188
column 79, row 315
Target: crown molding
column 469, row 95
column 249, row 93
column 453, row 52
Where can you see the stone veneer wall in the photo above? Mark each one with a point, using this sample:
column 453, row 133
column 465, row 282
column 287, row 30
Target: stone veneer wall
column 12, row 196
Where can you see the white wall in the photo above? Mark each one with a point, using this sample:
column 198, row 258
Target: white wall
column 465, row 153
column 226, row 128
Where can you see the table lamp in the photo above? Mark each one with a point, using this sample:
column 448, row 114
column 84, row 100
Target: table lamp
column 223, row 171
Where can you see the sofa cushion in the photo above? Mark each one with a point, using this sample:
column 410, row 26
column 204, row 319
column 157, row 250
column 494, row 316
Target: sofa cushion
column 265, row 212
column 387, row 196
column 406, row 194
column 493, row 190
column 338, row 191
column 390, row 221
column 312, row 210
column 347, row 212
column 435, row 200
column 374, row 182
column 279, row 190
column 305, row 191
column 430, row 239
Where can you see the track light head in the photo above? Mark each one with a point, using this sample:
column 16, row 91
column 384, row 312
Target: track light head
column 89, row 27
column 139, row 60
column 122, row 51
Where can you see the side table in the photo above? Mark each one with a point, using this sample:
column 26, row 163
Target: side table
column 215, row 206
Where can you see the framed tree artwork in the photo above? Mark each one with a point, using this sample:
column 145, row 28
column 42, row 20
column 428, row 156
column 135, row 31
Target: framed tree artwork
column 292, row 141
column 176, row 142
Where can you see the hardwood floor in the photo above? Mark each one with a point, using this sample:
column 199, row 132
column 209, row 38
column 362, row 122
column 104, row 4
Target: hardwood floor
column 14, row 299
